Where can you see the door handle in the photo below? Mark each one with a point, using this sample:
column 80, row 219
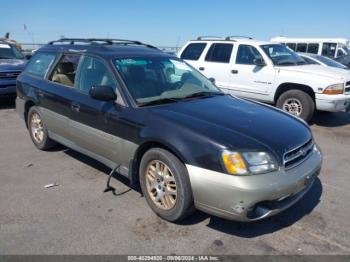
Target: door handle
column 201, row 68
column 75, row 107
column 234, row 71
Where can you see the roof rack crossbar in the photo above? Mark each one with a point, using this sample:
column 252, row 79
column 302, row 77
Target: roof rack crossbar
column 208, row 37
column 237, row 36
column 101, row 41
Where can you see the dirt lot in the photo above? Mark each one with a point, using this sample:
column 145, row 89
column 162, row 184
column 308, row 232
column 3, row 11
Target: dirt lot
column 76, row 217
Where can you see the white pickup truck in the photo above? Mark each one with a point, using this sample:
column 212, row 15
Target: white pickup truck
column 270, row 73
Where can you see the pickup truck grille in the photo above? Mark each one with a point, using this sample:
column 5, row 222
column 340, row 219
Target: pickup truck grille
column 347, row 87
column 298, row 155
column 9, row 75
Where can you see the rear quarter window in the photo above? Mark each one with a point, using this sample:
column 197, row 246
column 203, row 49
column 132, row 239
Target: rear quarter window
column 39, row 64
column 193, row 51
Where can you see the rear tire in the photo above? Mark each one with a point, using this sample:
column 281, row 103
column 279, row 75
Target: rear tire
column 38, row 131
column 165, row 184
column 298, row 103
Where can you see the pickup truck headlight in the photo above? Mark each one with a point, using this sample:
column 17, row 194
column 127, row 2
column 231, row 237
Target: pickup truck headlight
column 336, row 89
column 248, row 162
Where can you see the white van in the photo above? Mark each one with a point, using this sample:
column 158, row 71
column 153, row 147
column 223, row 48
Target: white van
column 271, row 73
column 331, row 47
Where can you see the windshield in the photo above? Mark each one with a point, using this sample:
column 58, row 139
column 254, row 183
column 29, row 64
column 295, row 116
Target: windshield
column 329, row 62
column 9, row 52
column 283, row 56
column 162, row 79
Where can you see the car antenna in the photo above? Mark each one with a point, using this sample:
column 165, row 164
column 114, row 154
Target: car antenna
column 108, row 186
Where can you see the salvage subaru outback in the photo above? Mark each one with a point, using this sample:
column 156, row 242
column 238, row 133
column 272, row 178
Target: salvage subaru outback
column 168, row 128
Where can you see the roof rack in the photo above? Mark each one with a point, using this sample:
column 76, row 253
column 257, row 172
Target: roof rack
column 208, row 37
column 100, row 41
column 237, row 36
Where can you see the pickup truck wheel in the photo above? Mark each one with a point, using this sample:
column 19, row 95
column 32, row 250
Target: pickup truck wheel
column 297, row 103
column 165, row 184
column 37, row 130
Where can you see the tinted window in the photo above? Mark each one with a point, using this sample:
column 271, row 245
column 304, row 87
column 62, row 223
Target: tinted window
column 65, row 70
column 330, row 62
column 39, row 64
column 292, row 46
column 328, row 49
column 219, row 53
column 246, row 55
column 309, row 60
column 93, row 72
column 340, row 52
column 10, row 52
column 193, row 51
column 301, row 47
column 312, row 48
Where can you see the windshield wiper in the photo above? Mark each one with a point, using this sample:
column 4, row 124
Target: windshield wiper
column 159, row 101
column 203, row 94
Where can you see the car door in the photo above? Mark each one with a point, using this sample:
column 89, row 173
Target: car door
column 56, row 94
column 98, row 126
column 249, row 79
column 216, row 63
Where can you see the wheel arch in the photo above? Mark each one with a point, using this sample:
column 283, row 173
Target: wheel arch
column 142, row 149
column 27, row 105
column 282, row 88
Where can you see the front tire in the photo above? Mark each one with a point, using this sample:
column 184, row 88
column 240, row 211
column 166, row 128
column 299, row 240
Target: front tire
column 165, row 184
column 298, row 103
column 38, row 131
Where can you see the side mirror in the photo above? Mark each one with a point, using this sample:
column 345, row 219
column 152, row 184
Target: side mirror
column 259, row 62
column 103, row 93
column 212, row 79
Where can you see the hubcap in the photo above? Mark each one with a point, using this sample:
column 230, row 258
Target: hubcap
column 293, row 106
column 37, row 127
column 161, row 185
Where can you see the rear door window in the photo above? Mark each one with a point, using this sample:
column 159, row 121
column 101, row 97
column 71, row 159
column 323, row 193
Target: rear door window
column 193, row 51
column 65, row 70
column 39, row 64
column 219, row 53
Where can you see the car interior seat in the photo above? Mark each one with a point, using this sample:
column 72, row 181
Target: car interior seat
column 64, row 74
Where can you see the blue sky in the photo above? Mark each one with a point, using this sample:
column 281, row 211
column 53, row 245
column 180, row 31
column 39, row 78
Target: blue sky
column 171, row 23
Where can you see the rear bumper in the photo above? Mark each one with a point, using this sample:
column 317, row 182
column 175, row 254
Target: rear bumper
column 332, row 103
column 250, row 198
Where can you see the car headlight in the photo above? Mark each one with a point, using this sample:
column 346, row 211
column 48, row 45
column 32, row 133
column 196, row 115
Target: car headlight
column 248, row 162
column 336, row 89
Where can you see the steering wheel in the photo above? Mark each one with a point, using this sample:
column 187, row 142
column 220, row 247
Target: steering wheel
column 177, row 85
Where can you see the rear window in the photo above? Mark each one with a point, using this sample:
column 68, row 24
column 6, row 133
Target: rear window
column 193, row 51
column 39, row 64
column 219, row 53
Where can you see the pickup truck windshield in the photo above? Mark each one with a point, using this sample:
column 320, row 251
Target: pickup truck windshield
column 155, row 80
column 9, row 52
column 281, row 55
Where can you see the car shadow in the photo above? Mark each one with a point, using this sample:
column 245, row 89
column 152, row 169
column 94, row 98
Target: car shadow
column 266, row 226
column 7, row 103
column 98, row 166
column 328, row 119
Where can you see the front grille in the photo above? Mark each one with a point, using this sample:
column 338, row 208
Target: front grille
column 296, row 156
column 9, row 75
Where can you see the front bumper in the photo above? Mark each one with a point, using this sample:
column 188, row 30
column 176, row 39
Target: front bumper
column 332, row 103
column 8, row 87
column 249, row 198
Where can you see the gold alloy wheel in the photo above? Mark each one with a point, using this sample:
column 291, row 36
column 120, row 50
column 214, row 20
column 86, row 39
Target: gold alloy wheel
column 37, row 127
column 161, row 185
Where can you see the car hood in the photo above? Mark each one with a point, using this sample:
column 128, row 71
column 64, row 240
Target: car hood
column 12, row 64
column 237, row 124
column 318, row 70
